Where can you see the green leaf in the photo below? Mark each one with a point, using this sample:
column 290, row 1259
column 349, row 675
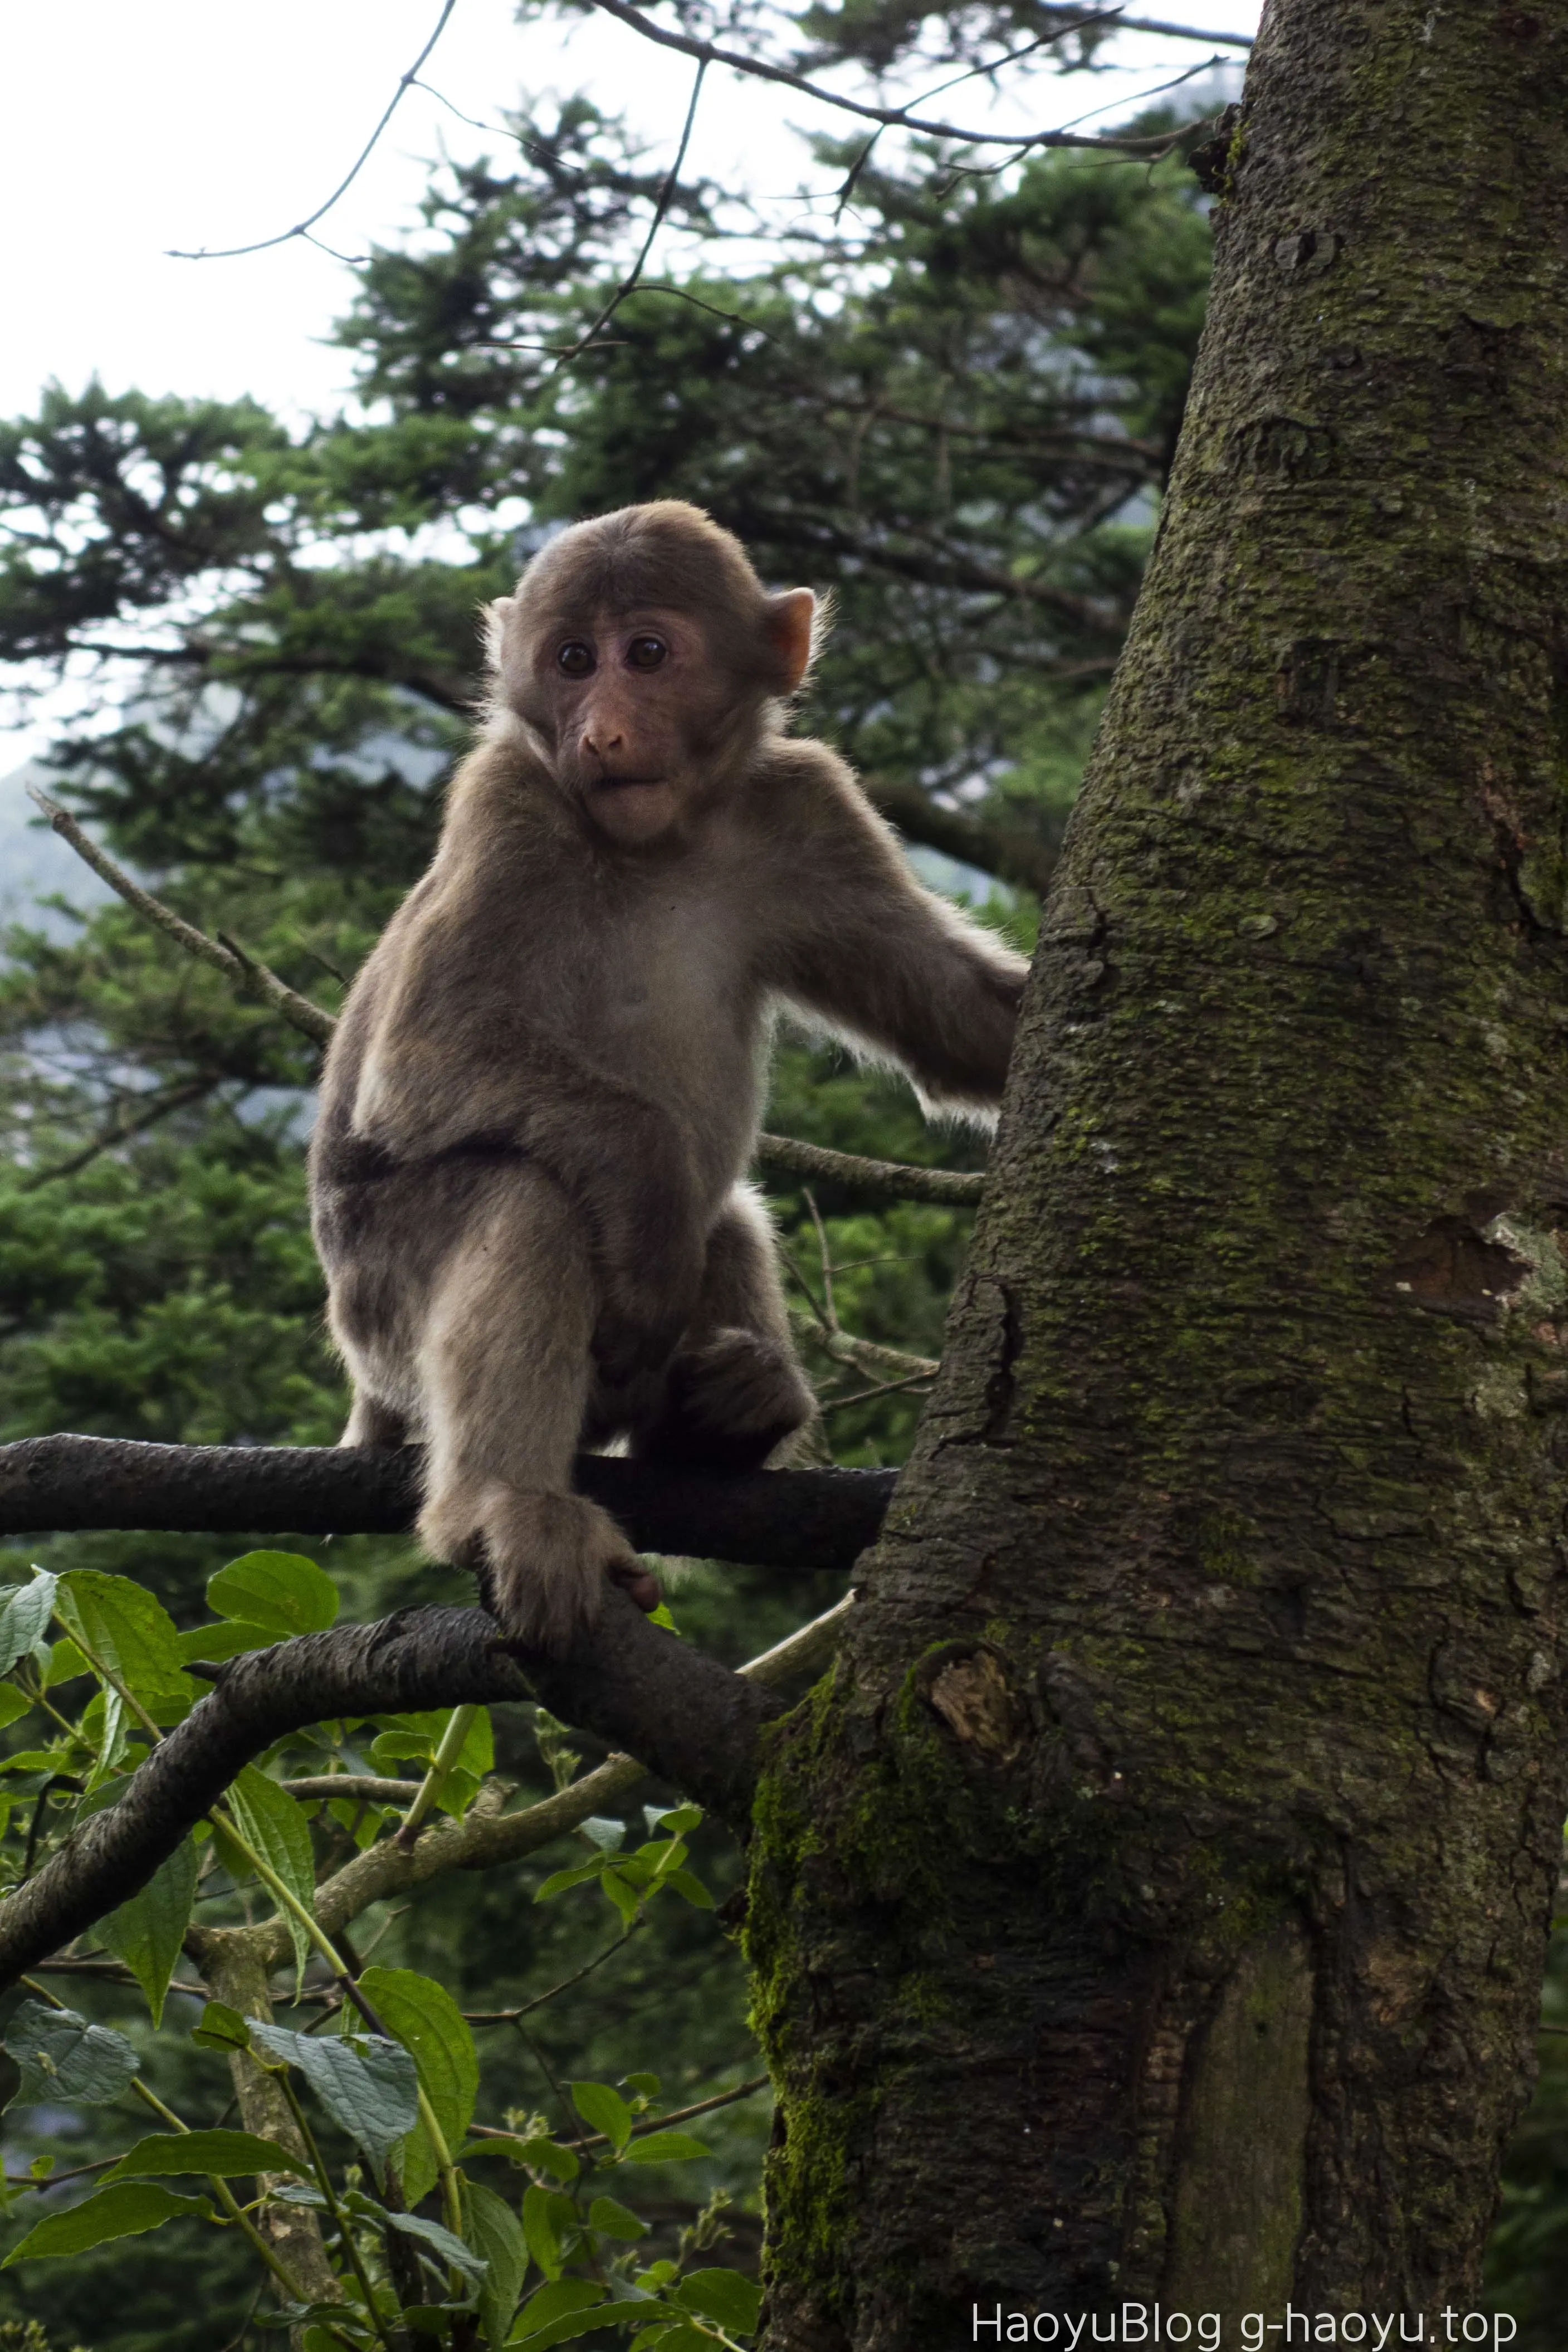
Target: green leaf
column 735, row 2302
column 24, row 1614
column 147, row 1932
column 562, row 2301
column 13, row 1704
column 671, row 1821
column 122, row 2211
column 133, row 1634
column 606, row 2213
column 425, row 2018
column 274, row 1822
column 685, row 1882
column 214, row 1644
column 577, row 1877
column 603, row 2110
column 665, row 2148
column 494, row 2231
column 222, row 2028
column 368, row 2085
column 66, row 1663
column 545, row 2213
column 232, row 2155
column 280, row 1591
column 62, row 2057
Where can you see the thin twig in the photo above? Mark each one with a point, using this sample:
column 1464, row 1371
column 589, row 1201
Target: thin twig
column 864, row 1396
column 510, row 2016
column 243, row 972
column 899, row 116
column 119, row 1131
column 303, row 228
column 672, row 181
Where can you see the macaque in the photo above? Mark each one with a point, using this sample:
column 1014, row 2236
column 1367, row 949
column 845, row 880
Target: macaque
column 537, row 1114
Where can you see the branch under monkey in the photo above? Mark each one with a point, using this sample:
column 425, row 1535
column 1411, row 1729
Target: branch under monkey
column 799, row 1520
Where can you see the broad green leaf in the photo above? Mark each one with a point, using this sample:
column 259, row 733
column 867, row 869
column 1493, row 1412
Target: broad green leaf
column 549, row 2305
column 577, row 1877
column 122, row 2211
column 645, row 2085
column 147, row 1932
column 368, row 2085
column 228, row 1639
column 735, row 2302
column 545, row 2214
column 442, row 2244
column 603, row 2110
column 665, row 2148
column 24, row 1614
column 671, row 1821
column 13, row 1704
column 281, row 1591
column 133, row 1634
column 273, row 1822
column 62, row 2057
column 426, row 2020
column 685, row 1882
column 232, row 2155
column 494, row 2231
column 608, row 2214
column 222, row 2028
column 66, row 1663
column 682, row 2338
column 477, row 1753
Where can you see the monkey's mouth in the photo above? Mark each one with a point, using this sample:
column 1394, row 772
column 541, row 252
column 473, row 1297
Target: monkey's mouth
column 627, row 783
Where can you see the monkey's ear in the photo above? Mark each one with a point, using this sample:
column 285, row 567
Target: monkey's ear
column 496, row 616
column 792, row 630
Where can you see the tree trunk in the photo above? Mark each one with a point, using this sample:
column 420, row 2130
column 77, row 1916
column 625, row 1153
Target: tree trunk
column 1151, row 1909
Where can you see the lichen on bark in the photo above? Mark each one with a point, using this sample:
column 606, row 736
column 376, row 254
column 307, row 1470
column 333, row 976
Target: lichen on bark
column 1237, row 1521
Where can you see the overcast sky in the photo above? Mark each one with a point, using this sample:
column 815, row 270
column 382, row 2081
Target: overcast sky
column 128, row 130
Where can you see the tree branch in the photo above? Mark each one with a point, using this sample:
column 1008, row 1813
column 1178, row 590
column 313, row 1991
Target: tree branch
column 897, row 117
column 687, row 1718
column 241, row 970
column 1012, row 853
column 791, row 1519
column 488, row 1839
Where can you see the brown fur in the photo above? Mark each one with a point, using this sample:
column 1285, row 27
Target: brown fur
column 547, row 1080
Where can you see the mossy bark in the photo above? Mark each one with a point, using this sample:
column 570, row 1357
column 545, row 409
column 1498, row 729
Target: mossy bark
column 1154, row 1905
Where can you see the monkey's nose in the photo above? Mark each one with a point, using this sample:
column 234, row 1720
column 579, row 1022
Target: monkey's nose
column 600, row 742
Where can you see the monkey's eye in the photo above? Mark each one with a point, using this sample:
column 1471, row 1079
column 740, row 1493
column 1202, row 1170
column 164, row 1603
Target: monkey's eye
column 646, row 653
column 575, row 659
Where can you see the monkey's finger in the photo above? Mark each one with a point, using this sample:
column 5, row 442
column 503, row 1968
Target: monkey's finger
column 635, row 1577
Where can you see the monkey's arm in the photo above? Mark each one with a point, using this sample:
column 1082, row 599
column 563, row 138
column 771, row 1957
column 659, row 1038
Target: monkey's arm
column 857, row 942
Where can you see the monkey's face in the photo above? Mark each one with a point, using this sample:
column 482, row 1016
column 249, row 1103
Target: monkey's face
column 633, row 715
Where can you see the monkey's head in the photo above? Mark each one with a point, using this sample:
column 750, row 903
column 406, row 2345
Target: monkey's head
column 643, row 655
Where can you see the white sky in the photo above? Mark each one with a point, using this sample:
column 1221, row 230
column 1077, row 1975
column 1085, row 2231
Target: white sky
column 128, row 129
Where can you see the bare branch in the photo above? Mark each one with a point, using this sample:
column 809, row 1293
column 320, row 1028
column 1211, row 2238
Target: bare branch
column 243, row 972
column 302, row 228
column 955, row 1188
column 896, row 117
column 672, row 182
column 126, row 1123
column 804, row 1520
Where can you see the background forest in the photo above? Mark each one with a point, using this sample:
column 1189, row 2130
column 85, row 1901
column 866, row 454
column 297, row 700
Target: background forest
column 953, row 405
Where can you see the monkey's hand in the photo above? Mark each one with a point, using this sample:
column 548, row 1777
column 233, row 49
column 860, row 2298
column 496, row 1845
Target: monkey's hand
column 728, row 1400
column 541, row 1561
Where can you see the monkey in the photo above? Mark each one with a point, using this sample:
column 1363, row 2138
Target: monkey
column 528, row 1171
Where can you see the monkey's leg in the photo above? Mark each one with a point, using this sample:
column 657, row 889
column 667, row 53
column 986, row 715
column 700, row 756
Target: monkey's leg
column 504, row 1368
column 735, row 1389
column 371, row 1423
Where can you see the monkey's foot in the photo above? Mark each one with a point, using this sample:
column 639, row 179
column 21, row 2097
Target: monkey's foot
column 541, row 1561
column 728, row 1402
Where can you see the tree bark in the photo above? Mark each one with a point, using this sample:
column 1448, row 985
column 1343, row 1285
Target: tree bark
column 1152, row 1907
